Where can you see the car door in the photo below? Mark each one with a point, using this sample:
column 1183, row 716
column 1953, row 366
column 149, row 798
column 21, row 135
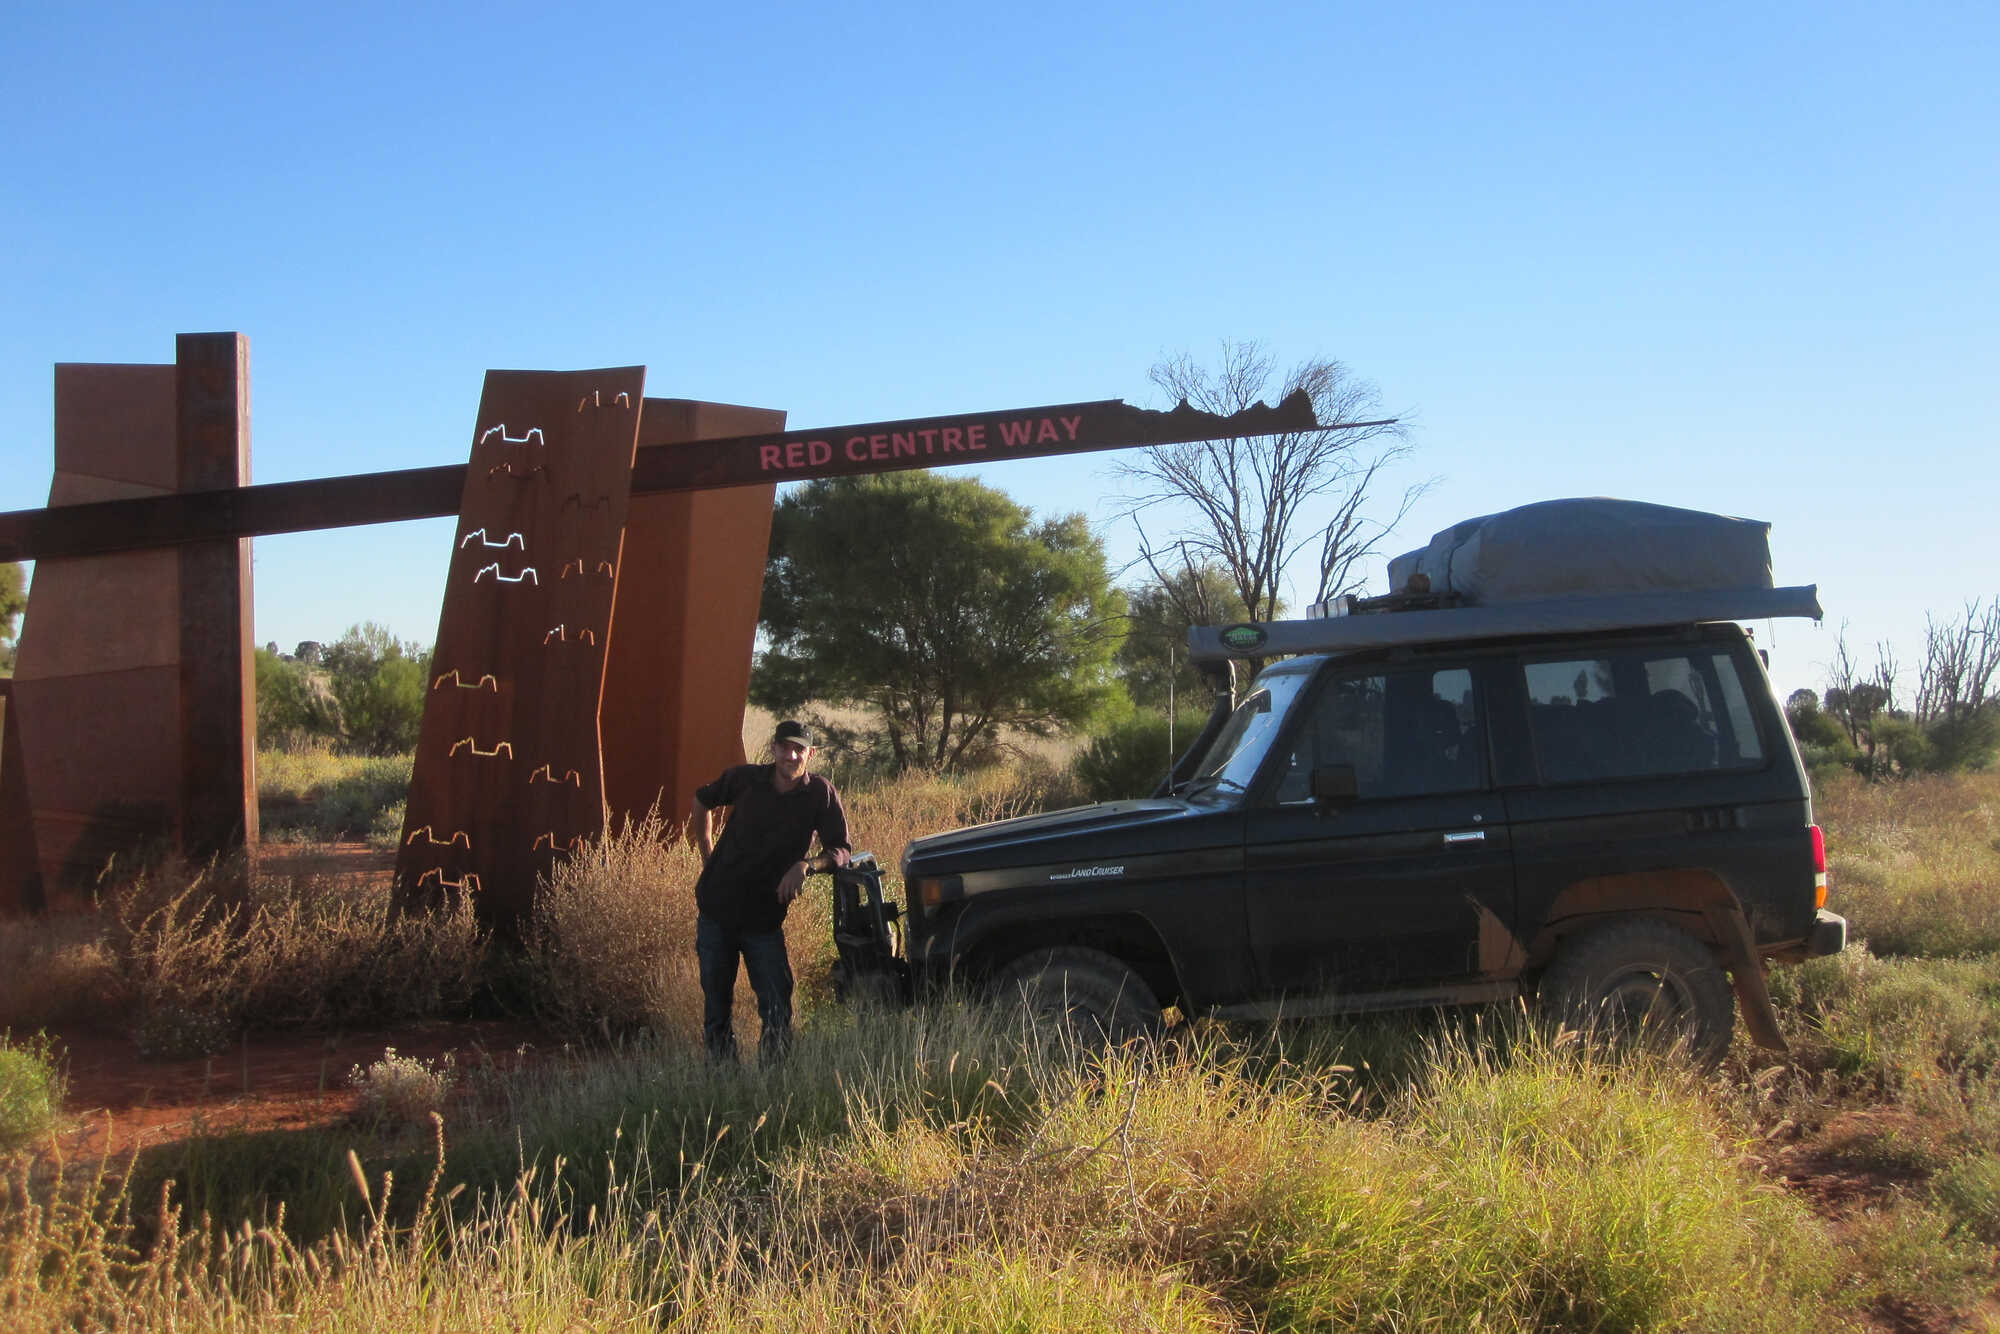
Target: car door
column 1640, row 758
column 1389, row 891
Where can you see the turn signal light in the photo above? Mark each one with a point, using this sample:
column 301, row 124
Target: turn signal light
column 1819, row 866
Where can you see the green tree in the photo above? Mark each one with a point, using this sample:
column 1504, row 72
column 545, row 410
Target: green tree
column 1128, row 758
column 13, row 601
column 941, row 605
column 292, row 701
column 1155, row 648
column 379, row 683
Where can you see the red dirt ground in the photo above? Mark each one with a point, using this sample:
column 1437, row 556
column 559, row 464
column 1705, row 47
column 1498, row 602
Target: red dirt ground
column 268, row 1082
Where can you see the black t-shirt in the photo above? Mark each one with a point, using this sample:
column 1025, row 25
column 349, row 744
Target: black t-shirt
column 768, row 830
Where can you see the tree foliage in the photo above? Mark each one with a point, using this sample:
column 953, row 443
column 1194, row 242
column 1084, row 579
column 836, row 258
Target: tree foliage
column 1128, row 758
column 1954, row 724
column 1248, row 506
column 13, row 601
column 1155, row 649
column 378, row 682
column 294, row 702
column 942, row 606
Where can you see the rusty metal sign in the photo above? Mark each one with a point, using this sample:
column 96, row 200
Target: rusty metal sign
column 833, row 451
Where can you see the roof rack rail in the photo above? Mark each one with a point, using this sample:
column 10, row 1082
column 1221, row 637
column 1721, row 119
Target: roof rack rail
column 1429, row 618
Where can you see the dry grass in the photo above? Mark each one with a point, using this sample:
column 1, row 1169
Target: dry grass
column 1915, row 863
column 310, row 793
column 57, row 969
column 202, row 953
column 933, row 1171
column 933, row 1177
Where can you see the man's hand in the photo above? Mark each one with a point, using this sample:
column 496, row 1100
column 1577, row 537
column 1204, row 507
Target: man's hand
column 794, row 880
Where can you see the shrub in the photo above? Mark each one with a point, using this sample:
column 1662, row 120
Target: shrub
column 403, row 1090
column 31, row 1090
column 613, row 934
column 1127, row 760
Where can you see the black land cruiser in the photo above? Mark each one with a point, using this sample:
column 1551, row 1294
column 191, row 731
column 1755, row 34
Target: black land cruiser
column 1447, row 810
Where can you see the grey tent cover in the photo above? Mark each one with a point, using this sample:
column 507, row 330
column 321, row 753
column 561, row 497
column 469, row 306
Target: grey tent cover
column 1588, row 548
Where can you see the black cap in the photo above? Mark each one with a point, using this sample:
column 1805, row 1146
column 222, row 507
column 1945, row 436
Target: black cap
column 793, row 730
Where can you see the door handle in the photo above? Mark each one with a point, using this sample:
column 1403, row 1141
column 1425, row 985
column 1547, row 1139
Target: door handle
column 1466, row 836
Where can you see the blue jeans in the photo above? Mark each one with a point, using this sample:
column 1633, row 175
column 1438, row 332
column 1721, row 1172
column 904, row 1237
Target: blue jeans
column 717, row 948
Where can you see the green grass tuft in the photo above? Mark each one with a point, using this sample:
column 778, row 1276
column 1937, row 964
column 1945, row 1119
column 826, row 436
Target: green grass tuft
column 31, row 1092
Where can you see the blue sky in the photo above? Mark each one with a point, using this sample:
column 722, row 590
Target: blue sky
column 1739, row 258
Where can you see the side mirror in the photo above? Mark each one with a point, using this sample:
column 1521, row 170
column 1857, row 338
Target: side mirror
column 1333, row 786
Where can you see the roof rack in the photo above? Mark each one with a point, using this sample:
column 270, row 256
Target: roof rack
column 1387, row 622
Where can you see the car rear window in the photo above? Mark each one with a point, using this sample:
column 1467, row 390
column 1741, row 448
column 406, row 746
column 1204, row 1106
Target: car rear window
column 1640, row 713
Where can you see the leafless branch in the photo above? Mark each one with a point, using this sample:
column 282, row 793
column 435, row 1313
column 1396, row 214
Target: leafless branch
column 1247, row 500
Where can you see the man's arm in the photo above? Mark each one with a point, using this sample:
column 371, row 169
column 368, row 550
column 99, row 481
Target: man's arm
column 832, row 850
column 833, row 844
column 703, row 828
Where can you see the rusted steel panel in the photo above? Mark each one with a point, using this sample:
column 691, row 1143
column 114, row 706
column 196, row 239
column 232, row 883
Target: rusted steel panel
column 686, row 622
column 832, row 451
column 20, row 875
column 218, row 677
column 509, row 769
column 97, row 681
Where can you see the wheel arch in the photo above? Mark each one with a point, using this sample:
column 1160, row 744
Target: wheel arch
column 1125, row 935
column 1695, row 900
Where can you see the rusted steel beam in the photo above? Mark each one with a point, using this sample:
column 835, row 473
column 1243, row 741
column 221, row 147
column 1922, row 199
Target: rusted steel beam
column 218, row 693
column 787, row 456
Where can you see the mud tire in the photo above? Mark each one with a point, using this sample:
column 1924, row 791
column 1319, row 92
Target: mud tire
column 1644, row 982
column 1079, row 994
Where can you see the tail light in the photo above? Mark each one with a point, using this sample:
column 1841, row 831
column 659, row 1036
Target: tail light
column 1819, row 866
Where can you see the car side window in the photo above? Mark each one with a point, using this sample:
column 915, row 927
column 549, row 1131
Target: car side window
column 1407, row 733
column 1639, row 713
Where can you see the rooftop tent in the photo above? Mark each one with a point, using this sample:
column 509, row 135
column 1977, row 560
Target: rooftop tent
column 1549, row 568
column 1588, row 547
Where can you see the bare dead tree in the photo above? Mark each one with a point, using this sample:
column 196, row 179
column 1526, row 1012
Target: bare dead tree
column 1961, row 658
column 1257, row 503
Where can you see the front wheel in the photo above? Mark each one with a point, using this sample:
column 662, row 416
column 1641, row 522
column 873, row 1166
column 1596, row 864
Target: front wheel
column 1643, row 980
column 1082, row 994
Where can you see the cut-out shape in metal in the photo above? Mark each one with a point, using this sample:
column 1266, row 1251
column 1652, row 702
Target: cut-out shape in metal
column 595, row 399
column 549, row 841
column 459, row 839
column 533, row 436
column 514, row 540
column 527, row 572
column 548, row 773
column 498, row 746
column 513, row 471
column 585, row 506
column 468, row 881
column 561, row 635
column 604, row 567
column 487, row 679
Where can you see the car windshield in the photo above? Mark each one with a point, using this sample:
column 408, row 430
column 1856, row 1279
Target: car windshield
column 1231, row 762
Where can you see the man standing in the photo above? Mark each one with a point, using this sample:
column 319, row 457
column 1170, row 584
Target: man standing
column 750, row 877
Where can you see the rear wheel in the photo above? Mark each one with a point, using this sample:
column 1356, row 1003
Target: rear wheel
column 1643, row 981
column 1082, row 994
